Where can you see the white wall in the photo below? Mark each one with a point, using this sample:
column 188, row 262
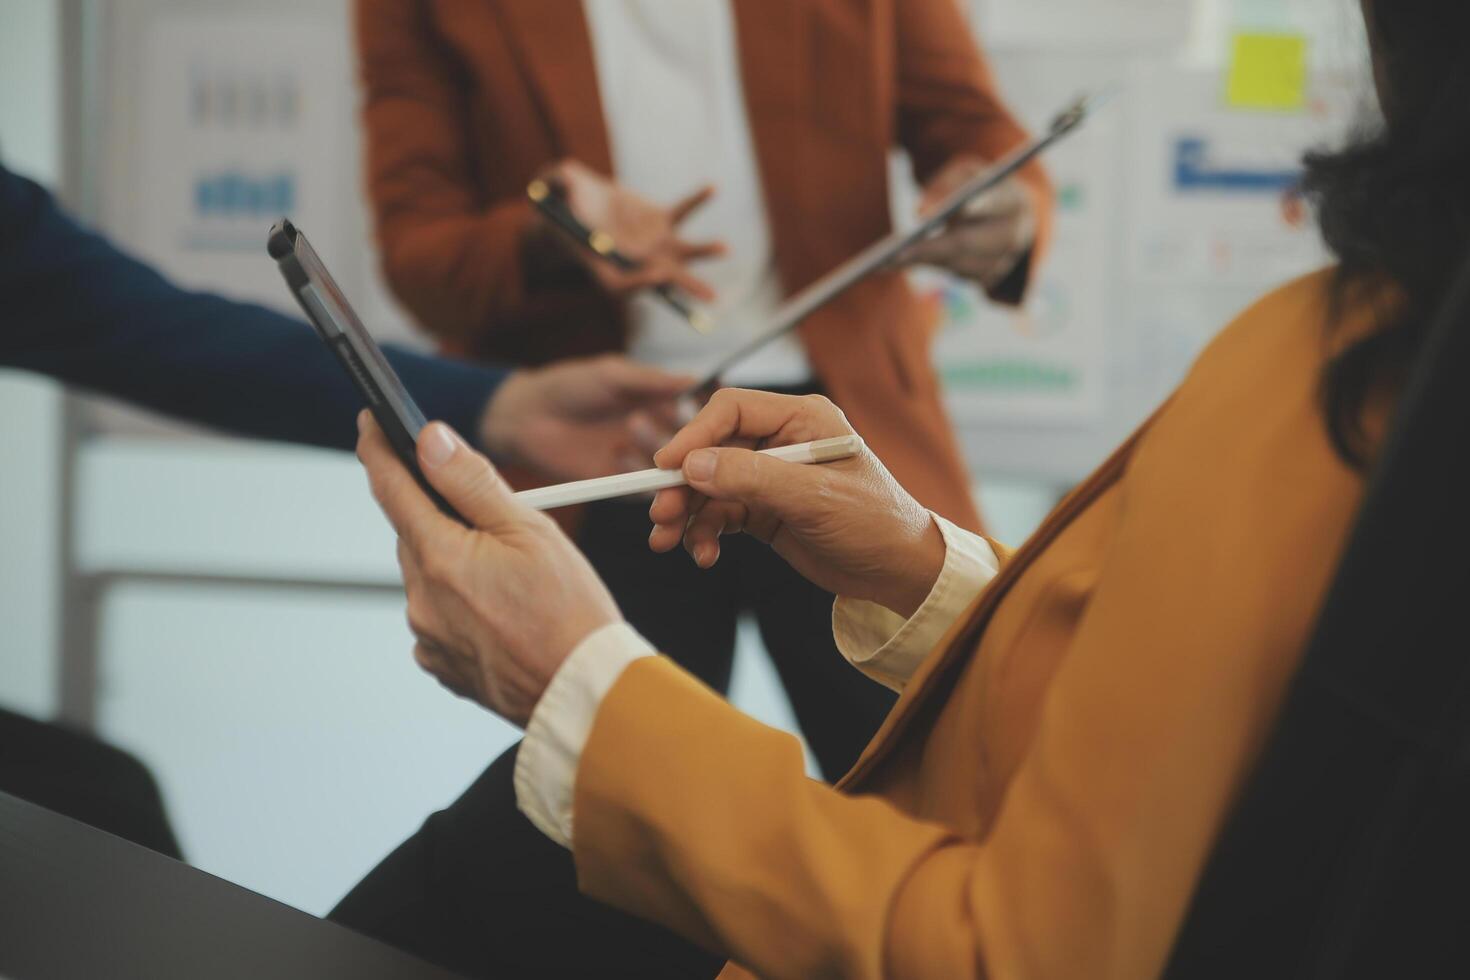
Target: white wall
column 29, row 87
column 29, row 407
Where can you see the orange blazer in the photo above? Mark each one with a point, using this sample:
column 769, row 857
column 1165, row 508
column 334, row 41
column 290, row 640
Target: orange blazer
column 466, row 101
column 1043, row 797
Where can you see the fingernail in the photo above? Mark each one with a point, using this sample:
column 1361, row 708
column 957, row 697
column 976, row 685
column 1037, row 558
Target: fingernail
column 362, row 418
column 438, row 444
column 700, row 465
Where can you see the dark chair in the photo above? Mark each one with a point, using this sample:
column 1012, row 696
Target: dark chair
column 1348, row 853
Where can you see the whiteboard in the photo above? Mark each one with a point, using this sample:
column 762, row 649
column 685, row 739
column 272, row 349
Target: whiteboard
column 1143, row 322
column 216, row 118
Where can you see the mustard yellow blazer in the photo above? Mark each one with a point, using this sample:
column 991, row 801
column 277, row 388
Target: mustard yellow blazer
column 1043, row 798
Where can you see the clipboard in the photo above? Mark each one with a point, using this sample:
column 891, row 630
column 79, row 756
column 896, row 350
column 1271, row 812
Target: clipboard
column 881, row 253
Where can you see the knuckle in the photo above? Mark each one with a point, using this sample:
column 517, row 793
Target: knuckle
column 723, row 398
column 419, row 623
column 820, row 406
column 822, row 409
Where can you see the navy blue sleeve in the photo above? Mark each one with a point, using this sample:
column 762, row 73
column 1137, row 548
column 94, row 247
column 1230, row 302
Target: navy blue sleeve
column 75, row 308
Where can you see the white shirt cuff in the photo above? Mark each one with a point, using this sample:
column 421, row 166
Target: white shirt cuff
column 546, row 766
column 889, row 648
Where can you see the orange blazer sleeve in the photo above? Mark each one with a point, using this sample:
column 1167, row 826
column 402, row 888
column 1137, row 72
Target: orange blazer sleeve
column 1208, row 582
column 453, row 259
column 948, row 103
column 693, row 815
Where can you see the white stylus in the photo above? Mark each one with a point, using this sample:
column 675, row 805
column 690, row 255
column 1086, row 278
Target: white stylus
column 647, row 481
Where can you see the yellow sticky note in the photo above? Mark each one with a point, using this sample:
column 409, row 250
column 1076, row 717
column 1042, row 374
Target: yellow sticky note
column 1268, row 71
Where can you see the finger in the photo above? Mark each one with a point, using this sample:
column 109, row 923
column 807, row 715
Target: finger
column 641, row 382
column 989, row 271
column 693, row 285
column 466, row 479
column 412, row 514
column 666, row 272
column 684, row 207
column 702, row 536
column 670, row 513
column 938, row 250
column 991, row 237
column 752, row 479
column 696, row 251
column 755, row 415
column 1000, row 202
column 936, row 194
column 989, row 242
column 950, row 179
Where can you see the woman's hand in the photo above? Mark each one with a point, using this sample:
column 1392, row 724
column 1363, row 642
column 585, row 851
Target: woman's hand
column 641, row 229
column 847, row 525
column 986, row 240
column 495, row 608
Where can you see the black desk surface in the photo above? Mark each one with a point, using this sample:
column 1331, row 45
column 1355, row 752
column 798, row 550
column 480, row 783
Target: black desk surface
column 77, row 902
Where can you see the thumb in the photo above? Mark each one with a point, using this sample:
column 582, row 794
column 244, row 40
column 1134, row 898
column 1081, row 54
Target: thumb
column 464, row 478
column 751, row 478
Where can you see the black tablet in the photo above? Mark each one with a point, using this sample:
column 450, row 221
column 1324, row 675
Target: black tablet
column 341, row 329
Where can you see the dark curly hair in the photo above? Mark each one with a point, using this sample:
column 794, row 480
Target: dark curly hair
column 1394, row 205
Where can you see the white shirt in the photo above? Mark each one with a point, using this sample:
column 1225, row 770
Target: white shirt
column 880, row 643
column 669, row 76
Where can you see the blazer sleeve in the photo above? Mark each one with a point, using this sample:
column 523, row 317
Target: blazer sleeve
column 691, row 814
column 83, row 312
column 949, row 106
column 454, row 259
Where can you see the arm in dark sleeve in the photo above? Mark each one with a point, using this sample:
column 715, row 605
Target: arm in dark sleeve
column 75, row 308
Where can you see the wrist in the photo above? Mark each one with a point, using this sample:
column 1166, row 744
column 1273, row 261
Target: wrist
column 921, row 569
column 592, row 640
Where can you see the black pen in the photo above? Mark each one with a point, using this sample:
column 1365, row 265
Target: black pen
column 553, row 207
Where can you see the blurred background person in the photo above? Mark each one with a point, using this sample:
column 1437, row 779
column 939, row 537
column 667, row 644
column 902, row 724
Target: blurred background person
column 768, row 124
